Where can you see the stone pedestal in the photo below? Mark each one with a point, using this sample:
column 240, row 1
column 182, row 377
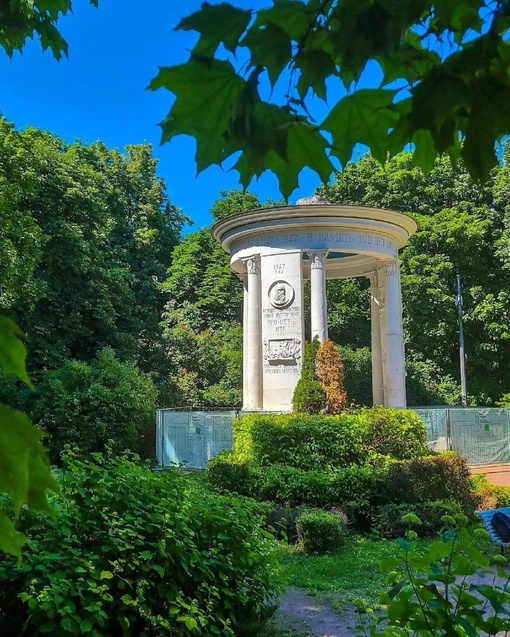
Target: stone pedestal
column 282, row 328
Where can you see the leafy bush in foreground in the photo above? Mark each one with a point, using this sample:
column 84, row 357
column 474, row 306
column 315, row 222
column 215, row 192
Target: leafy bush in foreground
column 389, row 524
column 136, row 553
column 431, row 592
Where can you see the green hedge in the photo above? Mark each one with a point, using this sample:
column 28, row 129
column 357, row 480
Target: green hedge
column 311, row 443
column 388, row 519
column 320, row 442
column 399, row 433
column 135, row 553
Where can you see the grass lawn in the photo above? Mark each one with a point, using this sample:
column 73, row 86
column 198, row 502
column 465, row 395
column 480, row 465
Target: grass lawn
column 348, row 576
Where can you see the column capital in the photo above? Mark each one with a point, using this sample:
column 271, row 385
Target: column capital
column 391, row 267
column 317, row 258
column 252, row 264
column 373, row 278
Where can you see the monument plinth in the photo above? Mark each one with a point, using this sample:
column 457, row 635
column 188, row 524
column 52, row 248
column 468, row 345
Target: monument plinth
column 274, row 250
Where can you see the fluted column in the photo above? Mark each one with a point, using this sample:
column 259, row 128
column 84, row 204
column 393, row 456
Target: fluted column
column 393, row 337
column 244, row 279
column 319, row 305
column 252, row 398
column 375, row 320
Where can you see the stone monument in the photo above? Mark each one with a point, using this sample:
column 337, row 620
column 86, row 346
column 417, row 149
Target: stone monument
column 273, row 250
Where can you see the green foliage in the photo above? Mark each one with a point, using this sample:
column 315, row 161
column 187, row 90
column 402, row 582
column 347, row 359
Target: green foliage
column 133, row 552
column 309, row 397
column 440, row 477
column 432, row 593
column 462, row 228
column 24, row 468
column 320, row 531
column 106, row 215
column 293, row 487
column 303, row 442
column 28, row 18
column 87, row 405
column 227, row 474
column 206, row 367
column 488, row 495
column 445, row 95
column 388, row 521
column 399, row 433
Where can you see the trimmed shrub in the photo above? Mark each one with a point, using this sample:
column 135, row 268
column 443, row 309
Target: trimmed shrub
column 331, row 374
column 131, row 552
column 283, row 522
column 303, row 442
column 293, row 487
column 444, row 476
column 388, row 519
column 226, row 473
column 356, row 489
column 309, row 397
column 399, row 433
column 320, row 532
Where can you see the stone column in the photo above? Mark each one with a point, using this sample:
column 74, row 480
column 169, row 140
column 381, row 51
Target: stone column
column 318, row 305
column 252, row 398
column 244, row 279
column 375, row 320
column 393, row 338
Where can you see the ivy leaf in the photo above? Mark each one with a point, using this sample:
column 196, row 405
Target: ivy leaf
column 315, row 66
column 306, row 147
column 270, row 47
column 24, row 466
column 363, row 117
column 11, row 541
column 216, row 24
column 205, row 92
column 12, row 350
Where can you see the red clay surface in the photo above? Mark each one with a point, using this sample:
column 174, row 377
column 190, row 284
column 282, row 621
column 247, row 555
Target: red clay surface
column 496, row 473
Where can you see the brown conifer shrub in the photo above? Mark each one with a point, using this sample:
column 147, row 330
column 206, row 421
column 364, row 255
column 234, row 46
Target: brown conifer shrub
column 330, row 372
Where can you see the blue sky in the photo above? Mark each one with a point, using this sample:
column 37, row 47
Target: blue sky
column 98, row 92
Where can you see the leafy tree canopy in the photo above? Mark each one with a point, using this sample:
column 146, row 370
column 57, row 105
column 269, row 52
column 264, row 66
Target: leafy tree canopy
column 252, row 78
column 23, row 19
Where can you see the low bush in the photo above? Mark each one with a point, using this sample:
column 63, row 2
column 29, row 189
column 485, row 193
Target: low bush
column 310, row 443
column 388, row 521
column 399, row 433
column 444, row 476
column 320, row 532
column 135, row 553
column 488, row 495
column 309, row 397
column 356, row 490
column 282, row 521
column 227, row 474
column 294, row 487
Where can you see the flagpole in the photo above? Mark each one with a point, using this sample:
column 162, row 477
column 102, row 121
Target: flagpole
column 459, row 303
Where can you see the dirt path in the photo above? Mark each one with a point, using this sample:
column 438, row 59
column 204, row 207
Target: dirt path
column 305, row 613
column 314, row 617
